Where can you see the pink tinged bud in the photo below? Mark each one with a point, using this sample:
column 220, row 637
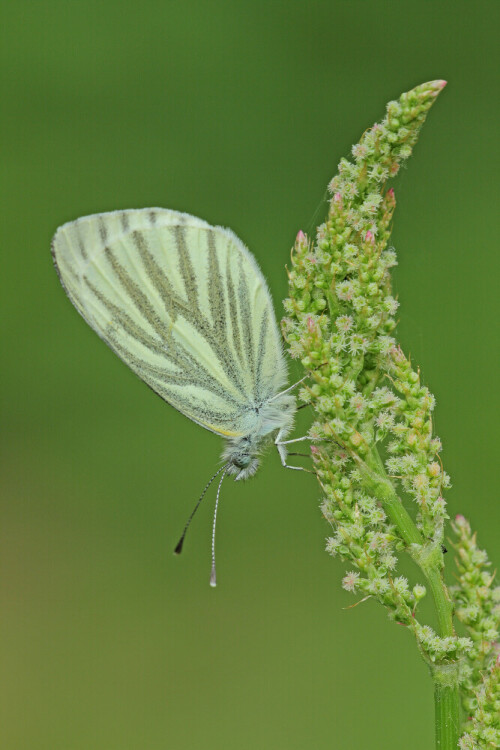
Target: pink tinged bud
column 338, row 199
column 390, row 193
column 439, row 84
column 314, row 449
column 369, row 237
column 311, row 325
column 398, row 354
column 300, row 237
column 459, row 518
column 437, row 87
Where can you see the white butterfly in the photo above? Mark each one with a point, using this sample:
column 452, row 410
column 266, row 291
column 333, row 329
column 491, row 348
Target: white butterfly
column 186, row 307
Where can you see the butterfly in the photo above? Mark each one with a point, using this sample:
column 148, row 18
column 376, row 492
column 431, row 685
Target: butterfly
column 185, row 305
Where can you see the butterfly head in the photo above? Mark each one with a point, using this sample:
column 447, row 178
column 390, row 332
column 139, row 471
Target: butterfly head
column 241, row 457
column 242, row 454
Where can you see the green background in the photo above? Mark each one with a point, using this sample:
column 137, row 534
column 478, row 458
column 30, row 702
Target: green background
column 237, row 112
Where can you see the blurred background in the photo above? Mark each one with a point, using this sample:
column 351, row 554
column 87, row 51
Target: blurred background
column 237, row 113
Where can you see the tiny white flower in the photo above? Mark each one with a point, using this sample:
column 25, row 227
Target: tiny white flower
column 350, row 581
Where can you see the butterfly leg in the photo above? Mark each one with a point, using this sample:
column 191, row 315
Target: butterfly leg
column 294, row 440
column 297, row 468
column 281, row 446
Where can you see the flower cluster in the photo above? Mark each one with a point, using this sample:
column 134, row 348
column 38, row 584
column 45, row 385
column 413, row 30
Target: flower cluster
column 441, row 650
column 363, row 536
column 367, row 397
column 414, row 452
column 477, row 606
column 341, row 317
column 374, row 449
column 483, row 726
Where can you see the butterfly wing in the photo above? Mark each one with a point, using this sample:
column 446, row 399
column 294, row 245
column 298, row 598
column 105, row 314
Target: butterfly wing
column 183, row 304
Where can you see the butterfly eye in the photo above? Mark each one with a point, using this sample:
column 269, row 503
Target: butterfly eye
column 242, row 461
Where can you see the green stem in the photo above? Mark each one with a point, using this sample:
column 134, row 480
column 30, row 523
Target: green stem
column 429, row 558
column 427, row 555
column 446, row 705
column 442, row 600
column 398, row 514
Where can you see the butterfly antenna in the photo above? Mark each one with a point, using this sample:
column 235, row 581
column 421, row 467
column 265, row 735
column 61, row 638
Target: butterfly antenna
column 213, row 575
column 180, row 543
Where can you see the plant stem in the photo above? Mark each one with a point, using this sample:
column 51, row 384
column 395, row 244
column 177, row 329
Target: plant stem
column 429, row 558
column 446, row 705
column 396, row 511
column 441, row 599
